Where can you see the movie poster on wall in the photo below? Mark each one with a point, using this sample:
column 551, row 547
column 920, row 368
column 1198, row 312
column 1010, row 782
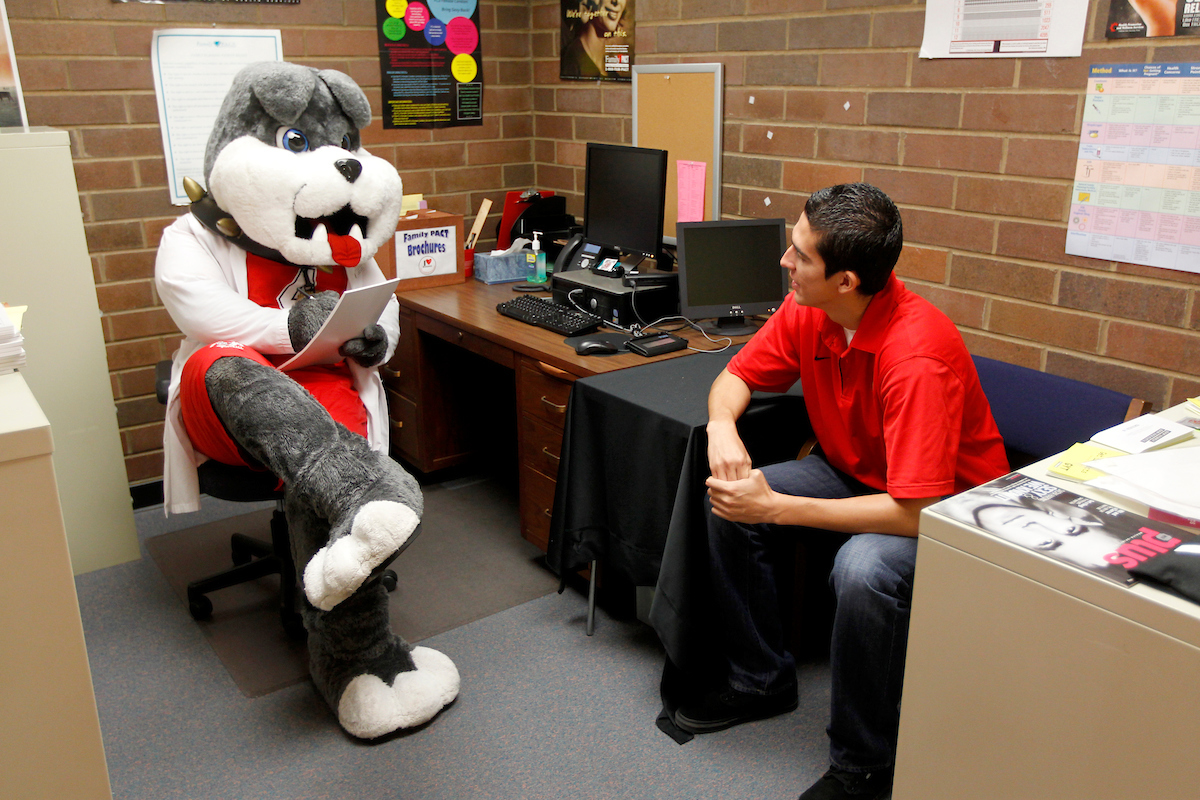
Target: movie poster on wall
column 598, row 40
column 430, row 63
column 1131, row 19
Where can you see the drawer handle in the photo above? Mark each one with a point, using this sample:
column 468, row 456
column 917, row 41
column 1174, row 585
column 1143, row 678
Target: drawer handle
column 554, row 406
column 460, row 336
column 555, row 372
column 547, row 512
column 547, row 452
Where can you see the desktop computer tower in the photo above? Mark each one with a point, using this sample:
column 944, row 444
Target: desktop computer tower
column 610, row 299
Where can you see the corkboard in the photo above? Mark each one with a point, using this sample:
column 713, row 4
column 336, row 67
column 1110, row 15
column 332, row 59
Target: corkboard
column 679, row 108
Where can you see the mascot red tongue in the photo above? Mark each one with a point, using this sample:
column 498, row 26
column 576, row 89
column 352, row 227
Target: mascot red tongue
column 346, row 250
column 247, row 291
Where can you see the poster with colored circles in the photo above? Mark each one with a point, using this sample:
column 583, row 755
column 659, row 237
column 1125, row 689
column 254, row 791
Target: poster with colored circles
column 430, row 63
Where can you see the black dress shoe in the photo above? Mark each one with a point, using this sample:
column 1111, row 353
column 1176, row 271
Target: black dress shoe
column 838, row 784
column 721, row 710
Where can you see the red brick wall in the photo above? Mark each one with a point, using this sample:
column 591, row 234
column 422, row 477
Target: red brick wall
column 978, row 153
column 85, row 68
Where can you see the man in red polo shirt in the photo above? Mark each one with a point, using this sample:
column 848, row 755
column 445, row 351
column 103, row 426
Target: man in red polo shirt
column 900, row 421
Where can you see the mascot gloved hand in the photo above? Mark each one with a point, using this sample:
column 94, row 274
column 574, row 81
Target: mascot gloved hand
column 293, row 214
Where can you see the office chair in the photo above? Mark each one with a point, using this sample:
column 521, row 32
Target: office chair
column 252, row 558
column 1040, row 414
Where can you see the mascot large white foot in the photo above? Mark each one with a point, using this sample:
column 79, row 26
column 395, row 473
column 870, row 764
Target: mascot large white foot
column 293, row 213
column 371, row 707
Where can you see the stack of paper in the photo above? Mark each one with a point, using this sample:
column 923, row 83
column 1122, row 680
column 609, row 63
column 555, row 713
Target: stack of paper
column 1166, row 480
column 1073, row 465
column 12, row 350
column 1140, row 434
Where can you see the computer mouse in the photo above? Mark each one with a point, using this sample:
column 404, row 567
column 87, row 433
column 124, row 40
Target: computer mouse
column 591, row 347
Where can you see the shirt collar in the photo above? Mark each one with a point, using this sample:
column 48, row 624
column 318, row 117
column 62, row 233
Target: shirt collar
column 874, row 322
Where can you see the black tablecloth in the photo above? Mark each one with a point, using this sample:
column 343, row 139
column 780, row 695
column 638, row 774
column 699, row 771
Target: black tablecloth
column 634, row 457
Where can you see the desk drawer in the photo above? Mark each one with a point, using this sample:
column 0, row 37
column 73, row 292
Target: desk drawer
column 402, row 414
column 468, row 341
column 541, row 445
column 392, row 373
column 543, row 392
column 537, row 500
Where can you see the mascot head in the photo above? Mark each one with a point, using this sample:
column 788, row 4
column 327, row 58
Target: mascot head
column 286, row 173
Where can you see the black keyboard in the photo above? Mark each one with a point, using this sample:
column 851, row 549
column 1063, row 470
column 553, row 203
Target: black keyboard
column 550, row 315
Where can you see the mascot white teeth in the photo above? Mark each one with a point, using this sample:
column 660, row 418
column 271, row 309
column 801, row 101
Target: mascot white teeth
column 293, row 215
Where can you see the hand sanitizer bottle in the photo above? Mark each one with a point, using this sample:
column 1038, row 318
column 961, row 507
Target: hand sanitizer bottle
column 538, row 257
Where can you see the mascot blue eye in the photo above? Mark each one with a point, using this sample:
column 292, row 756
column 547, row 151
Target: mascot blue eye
column 292, row 140
column 346, row 143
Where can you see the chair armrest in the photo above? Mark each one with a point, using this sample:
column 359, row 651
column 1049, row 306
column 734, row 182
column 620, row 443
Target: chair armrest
column 162, row 380
column 1137, row 408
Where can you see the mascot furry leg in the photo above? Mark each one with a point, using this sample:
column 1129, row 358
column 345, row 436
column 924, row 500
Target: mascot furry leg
column 349, row 510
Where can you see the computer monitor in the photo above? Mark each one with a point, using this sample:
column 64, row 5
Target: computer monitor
column 624, row 196
column 729, row 270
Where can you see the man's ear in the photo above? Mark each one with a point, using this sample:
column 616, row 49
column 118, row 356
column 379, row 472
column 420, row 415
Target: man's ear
column 848, row 281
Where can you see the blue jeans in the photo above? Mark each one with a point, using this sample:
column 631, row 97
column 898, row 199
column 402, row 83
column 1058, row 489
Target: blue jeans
column 872, row 585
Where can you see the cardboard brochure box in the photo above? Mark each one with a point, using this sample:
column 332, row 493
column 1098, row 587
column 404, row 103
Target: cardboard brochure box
column 427, row 250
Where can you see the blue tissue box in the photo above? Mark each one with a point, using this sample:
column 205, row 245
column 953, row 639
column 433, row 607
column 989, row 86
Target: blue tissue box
column 502, row 269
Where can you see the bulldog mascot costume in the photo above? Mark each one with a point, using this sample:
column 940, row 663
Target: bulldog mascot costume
column 295, row 209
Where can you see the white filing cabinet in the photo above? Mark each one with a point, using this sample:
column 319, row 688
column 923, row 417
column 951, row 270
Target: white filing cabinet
column 49, row 730
column 1028, row 678
column 45, row 265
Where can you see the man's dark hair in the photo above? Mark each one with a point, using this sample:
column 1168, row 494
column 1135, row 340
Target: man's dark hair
column 859, row 230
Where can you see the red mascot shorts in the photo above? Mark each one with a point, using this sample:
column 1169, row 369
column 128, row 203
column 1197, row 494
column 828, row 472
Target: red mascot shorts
column 331, row 384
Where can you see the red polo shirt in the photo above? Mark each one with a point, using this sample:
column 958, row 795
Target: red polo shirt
column 900, row 408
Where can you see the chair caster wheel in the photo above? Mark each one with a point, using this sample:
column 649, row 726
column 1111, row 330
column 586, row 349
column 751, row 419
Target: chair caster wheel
column 200, row 606
column 389, row 580
column 293, row 625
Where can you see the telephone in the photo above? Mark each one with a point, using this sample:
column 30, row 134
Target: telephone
column 578, row 253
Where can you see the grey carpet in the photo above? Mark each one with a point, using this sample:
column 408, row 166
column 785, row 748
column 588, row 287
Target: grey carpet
column 545, row 712
column 468, row 563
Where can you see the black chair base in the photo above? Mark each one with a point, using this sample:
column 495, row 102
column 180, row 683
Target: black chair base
column 254, row 559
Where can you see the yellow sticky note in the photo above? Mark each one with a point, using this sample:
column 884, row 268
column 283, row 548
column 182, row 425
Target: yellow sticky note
column 1073, row 463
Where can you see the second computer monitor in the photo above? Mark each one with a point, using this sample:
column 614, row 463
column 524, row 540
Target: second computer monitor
column 624, row 196
column 729, row 270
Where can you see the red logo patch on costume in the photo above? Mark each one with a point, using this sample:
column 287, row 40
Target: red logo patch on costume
column 275, row 285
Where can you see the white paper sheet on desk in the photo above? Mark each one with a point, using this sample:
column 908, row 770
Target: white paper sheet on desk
column 1168, row 480
column 355, row 310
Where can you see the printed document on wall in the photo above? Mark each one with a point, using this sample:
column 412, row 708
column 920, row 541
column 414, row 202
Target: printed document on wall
column 193, row 70
column 1136, row 196
column 1003, row 28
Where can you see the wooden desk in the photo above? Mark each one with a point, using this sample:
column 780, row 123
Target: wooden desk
column 1028, row 678
column 442, row 404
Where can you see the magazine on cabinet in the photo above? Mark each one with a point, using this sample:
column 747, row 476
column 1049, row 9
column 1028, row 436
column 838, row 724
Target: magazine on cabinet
column 1086, row 533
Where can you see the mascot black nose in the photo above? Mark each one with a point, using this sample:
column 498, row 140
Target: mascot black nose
column 350, row 168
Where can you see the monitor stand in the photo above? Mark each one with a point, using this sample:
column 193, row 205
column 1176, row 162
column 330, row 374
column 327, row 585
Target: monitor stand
column 728, row 326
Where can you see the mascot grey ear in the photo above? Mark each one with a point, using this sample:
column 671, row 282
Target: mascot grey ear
column 283, row 89
column 351, row 98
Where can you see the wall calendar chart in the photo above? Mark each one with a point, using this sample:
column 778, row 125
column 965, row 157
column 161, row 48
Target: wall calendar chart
column 1136, row 196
